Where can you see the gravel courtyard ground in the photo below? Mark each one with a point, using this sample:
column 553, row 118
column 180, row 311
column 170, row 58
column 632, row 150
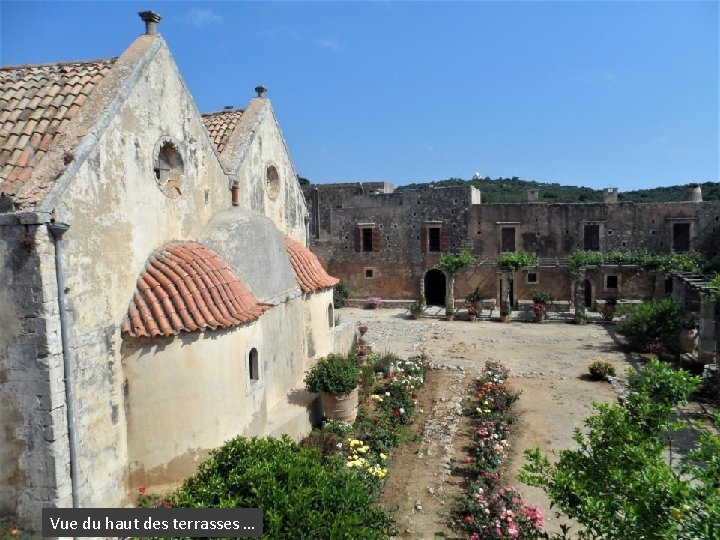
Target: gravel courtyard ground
column 549, row 365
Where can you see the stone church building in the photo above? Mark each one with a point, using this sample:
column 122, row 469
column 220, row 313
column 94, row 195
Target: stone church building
column 158, row 294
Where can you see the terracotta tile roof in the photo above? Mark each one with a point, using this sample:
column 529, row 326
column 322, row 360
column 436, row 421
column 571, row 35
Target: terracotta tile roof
column 309, row 273
column 221, row 125
column 36, row 105
column 187, row 287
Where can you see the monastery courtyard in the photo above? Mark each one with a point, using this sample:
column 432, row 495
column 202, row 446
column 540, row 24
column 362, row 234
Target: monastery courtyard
column 548, row 364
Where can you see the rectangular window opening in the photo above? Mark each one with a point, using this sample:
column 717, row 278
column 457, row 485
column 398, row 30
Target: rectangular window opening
column 681, row 237
column 367, row 239
column 591, row 237
column 433, row 239
column 507, row 240
column 532, row 277
column 611, row 282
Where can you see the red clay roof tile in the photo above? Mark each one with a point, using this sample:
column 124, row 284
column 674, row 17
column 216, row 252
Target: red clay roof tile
column 220, row 125
column 27, row 107
column 187, row 287
column 309, row 273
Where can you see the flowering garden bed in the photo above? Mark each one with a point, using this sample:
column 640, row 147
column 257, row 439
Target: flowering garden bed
column 327, row 486
column 491, row 509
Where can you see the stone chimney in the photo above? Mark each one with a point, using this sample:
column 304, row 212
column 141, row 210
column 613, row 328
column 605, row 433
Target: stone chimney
column 533, row 195
column 610, row 195
column 150, row 18
column 694, row 193
column 260, row 90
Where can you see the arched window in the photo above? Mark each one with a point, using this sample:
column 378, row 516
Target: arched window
column 331, row 316
column 272, row 182
column 169, row 169
column 253, row 365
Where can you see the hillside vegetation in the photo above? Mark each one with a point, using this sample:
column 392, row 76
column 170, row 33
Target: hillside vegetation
column 514, row 190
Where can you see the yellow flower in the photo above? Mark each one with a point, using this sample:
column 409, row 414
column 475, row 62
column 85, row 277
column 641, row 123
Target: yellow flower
column 382, row 456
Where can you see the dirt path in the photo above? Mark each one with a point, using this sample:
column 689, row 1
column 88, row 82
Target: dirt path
column 548, row 364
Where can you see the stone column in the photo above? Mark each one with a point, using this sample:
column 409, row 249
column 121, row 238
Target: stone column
column 707, row 343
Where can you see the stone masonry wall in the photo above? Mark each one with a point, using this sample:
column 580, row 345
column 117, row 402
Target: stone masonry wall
column 34, row 455
column 548, row 230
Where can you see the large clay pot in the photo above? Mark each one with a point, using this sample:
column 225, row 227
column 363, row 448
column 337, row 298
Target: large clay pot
column 608, row 312
column 688, row 339
column 342, row 407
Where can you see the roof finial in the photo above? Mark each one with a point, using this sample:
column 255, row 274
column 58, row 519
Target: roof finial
column 151, row 18
column 260, row 90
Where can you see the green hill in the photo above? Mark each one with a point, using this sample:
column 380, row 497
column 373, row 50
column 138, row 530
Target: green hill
column 514, row 190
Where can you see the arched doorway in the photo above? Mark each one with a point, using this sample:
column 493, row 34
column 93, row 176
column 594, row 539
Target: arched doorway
column 588, row 294
column 435, row 285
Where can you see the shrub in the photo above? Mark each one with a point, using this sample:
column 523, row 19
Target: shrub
column 454, row 262
column 600, row 369
column 333, row 374
column 513, row 261
column 618, row 483
column 653, row 322
column 341, row 293
column 301, row 495
column 540, row 297
column 417, row 309
column 385, row 362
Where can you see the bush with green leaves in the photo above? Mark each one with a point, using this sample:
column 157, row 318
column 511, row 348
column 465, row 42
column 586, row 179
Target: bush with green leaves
column 333, row 374
column 301, row 495
column 618, row 483
column 601, row 369
column 653, row 323
column 341, row 293
column 646, row 261
column 512, row 262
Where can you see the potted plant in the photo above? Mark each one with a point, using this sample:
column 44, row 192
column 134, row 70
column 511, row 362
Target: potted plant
column 416, row 310
column 449, row 313
column 335, row 378
column 580, row 317
column 505, row 312
column 688, row 335
column 539, row 310
column 608, row 310
column 472, row 302
column 540, row 301
column 374, row 302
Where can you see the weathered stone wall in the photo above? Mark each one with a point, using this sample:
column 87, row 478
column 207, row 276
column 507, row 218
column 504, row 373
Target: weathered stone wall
column 259, row 146
column 548, row 230
column 401, row 217
column 33, row 429
column 319, row 317
column 556, row 230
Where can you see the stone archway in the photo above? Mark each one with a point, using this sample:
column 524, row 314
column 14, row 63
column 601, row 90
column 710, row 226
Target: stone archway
column 435, row 287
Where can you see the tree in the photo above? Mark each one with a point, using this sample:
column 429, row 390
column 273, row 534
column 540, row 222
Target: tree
column 451, row 264
column 618, row 483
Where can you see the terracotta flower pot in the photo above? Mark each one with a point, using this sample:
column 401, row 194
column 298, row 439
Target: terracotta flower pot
column 340, row 407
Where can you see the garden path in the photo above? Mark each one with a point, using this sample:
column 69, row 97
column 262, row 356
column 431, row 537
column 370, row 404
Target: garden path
column 549, row 366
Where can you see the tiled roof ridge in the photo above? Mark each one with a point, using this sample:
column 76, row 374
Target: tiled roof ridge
column 221, row 125
column 187, row 287
column 309, row 272
column 11, row 67
column 224, row 111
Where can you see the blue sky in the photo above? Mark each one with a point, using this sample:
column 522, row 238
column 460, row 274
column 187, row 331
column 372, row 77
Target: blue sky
column 584, row 93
